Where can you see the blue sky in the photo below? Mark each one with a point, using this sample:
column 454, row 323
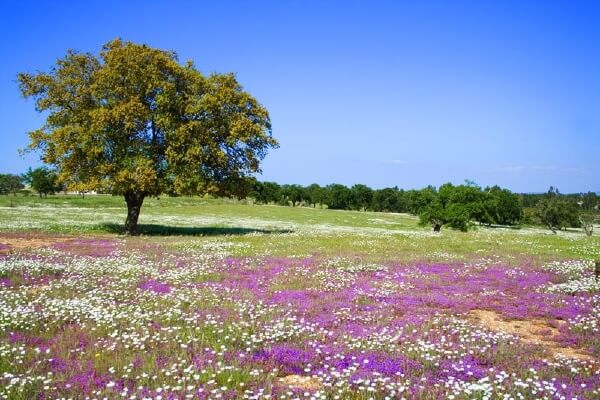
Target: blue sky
column 381, row 93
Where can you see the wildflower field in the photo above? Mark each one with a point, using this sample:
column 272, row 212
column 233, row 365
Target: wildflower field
column 221, row 300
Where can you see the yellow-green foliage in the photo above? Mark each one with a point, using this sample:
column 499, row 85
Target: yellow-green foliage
column 134, row 120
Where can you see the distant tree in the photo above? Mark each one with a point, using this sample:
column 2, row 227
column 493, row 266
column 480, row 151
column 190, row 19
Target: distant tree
column 471, row 183
column 385, row 200
column 589, row 201
column 360, row 197
column 469, row 196
column 499, row 206
column 255, row 189
column 294, row 194
column 43, row 180
column 488, row 211
column 557, row 212
column 402, row 201
column 452, row 206
column 509, row 208
column 550, row 214
column 316, row 195
column 135, row 122
column 530, row 216
column 419, row 200
column 434, row 214
column 552, row 192
column 271, row 191
column 458, row 216
column 265, row 192
column 338, row 196
column 10, row 183
column 589, row 214
column 587, row 220
column 458, row 203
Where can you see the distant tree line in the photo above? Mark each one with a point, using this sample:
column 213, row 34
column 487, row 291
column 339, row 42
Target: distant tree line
column 559, row 211
column 43, row 180
column 456, row 206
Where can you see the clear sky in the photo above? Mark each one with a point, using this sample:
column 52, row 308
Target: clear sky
column 381, row 93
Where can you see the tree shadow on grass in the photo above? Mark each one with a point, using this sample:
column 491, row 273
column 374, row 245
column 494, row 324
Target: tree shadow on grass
column 163, row 230
column 495, row 226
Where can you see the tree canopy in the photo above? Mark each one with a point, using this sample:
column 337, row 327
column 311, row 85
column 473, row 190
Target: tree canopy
column 43, row 180
column 134, row 121
column 557, row 212
column 10, row 183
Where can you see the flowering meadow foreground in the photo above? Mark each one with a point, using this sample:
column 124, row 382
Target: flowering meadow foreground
column 103, row 316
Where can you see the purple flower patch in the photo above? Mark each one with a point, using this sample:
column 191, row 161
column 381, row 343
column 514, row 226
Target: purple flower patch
column 6, row 282
column 155, row 286
column 289, row 359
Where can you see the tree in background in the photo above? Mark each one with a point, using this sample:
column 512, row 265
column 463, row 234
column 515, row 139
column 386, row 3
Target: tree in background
column 466, row 201
column 454, row 206
column 419, row 200
column 265, row 192
column 135, row 122
column 587, row 219
column 294, row 194
column 499, row 206
column 458, row 217
column 433, row 214
column 338, row 196
column 550, row 213
column 43, row 180
column 589, row 201
column 316, row 195
column 589, row 214
column 509, row 210
column 361, row 197
column 10, row 183
column 557, row 212
column 457, row 206
column 385, row 200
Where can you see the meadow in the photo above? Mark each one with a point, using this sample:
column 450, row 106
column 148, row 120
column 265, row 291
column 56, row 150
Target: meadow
column 221, row 299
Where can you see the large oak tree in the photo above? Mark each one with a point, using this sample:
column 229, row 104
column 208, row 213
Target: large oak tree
column 134, row 121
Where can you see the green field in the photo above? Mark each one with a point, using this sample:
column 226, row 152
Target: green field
column 287, row 231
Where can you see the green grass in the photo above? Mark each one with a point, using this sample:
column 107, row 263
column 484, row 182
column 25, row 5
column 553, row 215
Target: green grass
column 182, row 222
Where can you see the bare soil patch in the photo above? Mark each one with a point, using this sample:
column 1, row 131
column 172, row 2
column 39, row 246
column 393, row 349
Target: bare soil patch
column 9, row 242
column 534, row 331
column 301, row 382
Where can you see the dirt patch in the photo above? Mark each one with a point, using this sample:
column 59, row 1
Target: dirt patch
column 534, row 331
column 301, row 382
column 19, row 243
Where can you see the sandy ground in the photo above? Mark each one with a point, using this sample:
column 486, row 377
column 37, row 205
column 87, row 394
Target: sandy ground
column 534, row 331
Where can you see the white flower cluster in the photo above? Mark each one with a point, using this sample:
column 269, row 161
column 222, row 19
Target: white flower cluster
column 578, row 275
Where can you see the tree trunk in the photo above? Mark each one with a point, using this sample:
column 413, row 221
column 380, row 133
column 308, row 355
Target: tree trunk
column 134, row 204
column 597, row 271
